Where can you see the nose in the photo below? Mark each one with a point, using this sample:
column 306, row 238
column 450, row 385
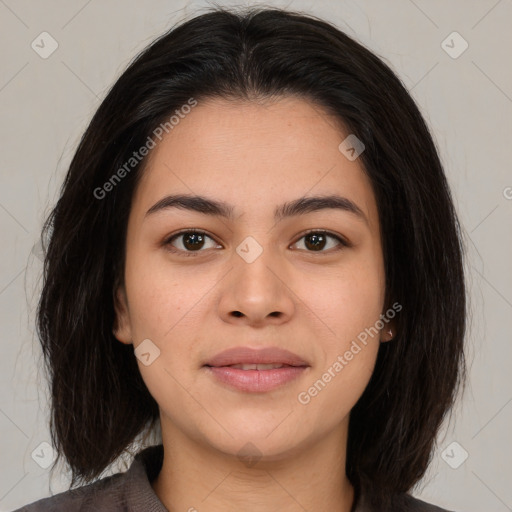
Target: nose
column 257, row 291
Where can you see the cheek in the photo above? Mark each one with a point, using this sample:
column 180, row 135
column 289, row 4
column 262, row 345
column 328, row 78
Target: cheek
column 163, row 299
column 347, row 307
column 346, row 304
column 332, row 392
column 167, row 307
column 345, row 301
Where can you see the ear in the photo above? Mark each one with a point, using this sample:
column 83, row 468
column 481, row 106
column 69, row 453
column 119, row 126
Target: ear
column 389, row 331
column 122, row 326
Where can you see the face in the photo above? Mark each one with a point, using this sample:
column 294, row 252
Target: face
column 252, row 279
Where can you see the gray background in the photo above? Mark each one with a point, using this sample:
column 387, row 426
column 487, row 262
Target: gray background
column 45, row 105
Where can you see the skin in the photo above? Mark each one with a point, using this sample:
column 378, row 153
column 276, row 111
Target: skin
column 254, row 156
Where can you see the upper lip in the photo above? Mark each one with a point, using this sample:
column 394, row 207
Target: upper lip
column 248, row 355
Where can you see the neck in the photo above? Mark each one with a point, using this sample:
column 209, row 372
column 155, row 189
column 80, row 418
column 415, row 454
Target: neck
column 198, row 478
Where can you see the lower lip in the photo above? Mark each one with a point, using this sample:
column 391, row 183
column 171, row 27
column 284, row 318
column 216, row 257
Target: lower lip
column 256, row 381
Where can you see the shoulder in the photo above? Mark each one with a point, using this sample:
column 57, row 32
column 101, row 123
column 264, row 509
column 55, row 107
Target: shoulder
column 411, row 504
column 99, row 493
column 402, row 503
column 130, row 490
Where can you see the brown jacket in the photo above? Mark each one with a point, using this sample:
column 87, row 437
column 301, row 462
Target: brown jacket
column 131, row 491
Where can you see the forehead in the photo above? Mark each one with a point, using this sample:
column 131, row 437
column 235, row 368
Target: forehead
column 288, row 127
column 255, row 155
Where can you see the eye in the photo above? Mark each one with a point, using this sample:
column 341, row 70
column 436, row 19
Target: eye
column 316, row 240
column 192, row 241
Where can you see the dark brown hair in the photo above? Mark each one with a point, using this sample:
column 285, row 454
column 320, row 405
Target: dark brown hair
column 99, row 400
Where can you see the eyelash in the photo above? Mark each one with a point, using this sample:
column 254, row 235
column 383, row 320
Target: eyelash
column 167, row 242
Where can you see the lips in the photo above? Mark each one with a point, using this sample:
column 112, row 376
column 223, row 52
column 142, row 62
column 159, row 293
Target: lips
column 254, row 366
column 241, row 356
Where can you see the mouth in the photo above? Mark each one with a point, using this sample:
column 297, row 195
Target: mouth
column 255, row 371
column 254, row 366
column 264, row 358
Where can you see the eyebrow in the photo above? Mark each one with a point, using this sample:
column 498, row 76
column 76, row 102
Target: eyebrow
column 301, row 206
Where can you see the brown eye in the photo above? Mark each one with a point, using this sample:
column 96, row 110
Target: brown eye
column 316, row 241
column 188, row 242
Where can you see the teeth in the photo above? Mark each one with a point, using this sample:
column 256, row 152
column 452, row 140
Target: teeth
column 257, row 366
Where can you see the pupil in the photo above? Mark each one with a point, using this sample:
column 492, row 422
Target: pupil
column 195, row 237
column 318, row 241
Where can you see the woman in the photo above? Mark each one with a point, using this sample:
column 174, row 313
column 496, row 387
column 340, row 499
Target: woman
column 255, row 250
